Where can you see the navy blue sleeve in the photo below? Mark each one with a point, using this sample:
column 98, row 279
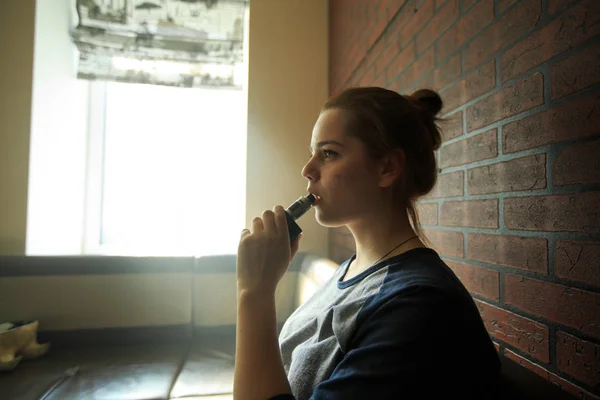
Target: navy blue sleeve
column 410, row 347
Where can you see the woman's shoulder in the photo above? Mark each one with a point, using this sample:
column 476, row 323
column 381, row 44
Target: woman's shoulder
column 419, row 277
column 421, row 267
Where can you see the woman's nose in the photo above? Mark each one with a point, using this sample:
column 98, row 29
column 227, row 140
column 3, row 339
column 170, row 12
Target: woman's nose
column 309, row 171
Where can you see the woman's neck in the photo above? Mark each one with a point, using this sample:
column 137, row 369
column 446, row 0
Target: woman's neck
column 378, row 235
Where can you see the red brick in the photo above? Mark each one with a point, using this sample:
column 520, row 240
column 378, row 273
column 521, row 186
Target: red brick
column 424, row 64
column 578, row 164
column 526, row 173
column 474, row 85
column 399, row 22
column 520, row 332
column 444, row 74
column 522, row 18
column 381, row 11
column 448, row 185
column 470, row 213
column 376, row 25
column 555, row 6
column 385, row 57
column 376, row 51
column 346, row 70
column 577, row 72
column 439, row 3
column 380, row 81
column 452, row 126
column 575, row 308
column 400, row 62
column 356, row 77
column 472, row 23
column 467, row 3
column 573, row 120
column 478, row 280
column 577, row 261
column 497, row 346
column 368, row 77
column 449, row 243
column 573, row 27
column 515, row 99
column 471, row 149
column 526, row 253
column 393, row 7
column 555, row 379
column 578, row 358
column 428, row 213
column 348, row 45
column 442, row 20
column 503, row 5
column 359, row 70
column 423, row 13
column 577, row 212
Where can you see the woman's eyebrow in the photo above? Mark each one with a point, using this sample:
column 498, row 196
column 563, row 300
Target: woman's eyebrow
column 326, row 142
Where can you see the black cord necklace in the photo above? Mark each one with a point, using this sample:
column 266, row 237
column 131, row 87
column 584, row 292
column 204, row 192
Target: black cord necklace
column 386, row 254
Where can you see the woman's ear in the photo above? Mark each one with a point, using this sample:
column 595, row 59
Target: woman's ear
column 391, row 167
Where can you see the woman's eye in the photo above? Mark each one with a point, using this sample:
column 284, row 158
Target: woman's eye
column 329, row 153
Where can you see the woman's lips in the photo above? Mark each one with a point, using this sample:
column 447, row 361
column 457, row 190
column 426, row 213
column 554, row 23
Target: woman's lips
column 317, row 199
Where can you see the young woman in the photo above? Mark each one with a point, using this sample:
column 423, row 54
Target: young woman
column 394, row 321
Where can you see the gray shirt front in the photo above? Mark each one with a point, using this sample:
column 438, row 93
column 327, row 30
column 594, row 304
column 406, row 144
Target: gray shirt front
column 403, row 322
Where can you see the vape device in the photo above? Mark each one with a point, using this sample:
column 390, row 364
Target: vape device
column 295, row 211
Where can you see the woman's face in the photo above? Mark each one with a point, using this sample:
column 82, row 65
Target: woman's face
column 340, row 172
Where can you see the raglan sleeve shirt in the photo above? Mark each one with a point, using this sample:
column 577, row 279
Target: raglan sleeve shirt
column 406, row 325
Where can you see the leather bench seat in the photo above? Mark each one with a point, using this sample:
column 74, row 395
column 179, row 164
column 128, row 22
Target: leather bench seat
column 132, row 372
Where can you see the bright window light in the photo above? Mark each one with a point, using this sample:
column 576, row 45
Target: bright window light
column 174, row 170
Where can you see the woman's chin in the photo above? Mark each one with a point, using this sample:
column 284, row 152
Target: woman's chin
column 327, row 220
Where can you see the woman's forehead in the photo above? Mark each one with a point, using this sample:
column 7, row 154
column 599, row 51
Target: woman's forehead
column 329, row 126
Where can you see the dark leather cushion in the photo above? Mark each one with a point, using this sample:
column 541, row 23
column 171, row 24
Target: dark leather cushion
column 135, row 382
column 205, row 372
column 132, row 372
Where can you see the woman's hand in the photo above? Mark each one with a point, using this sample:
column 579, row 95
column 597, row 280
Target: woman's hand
column 264, row 253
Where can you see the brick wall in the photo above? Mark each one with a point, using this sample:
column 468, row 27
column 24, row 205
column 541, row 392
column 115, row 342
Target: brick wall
column 516, row 210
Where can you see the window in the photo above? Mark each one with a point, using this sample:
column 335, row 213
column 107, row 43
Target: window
column 167, row 170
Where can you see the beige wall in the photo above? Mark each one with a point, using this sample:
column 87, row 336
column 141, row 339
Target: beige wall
column 287, row 87
column 215, row 298
column 64, row 302
column 17, row 18
column 68, row 302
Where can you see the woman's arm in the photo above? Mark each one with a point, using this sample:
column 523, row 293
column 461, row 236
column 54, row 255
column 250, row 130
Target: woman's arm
column 259, row 373
column 264, row 255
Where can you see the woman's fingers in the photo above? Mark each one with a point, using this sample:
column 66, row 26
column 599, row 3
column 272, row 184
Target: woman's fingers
column 268, row 218
column 280, row 221
column 257, row 225
column 270, row 221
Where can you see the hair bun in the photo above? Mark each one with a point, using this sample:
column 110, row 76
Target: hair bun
column 429, row 100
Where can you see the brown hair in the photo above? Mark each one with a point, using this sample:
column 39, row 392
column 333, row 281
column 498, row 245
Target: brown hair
column 385, row 120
